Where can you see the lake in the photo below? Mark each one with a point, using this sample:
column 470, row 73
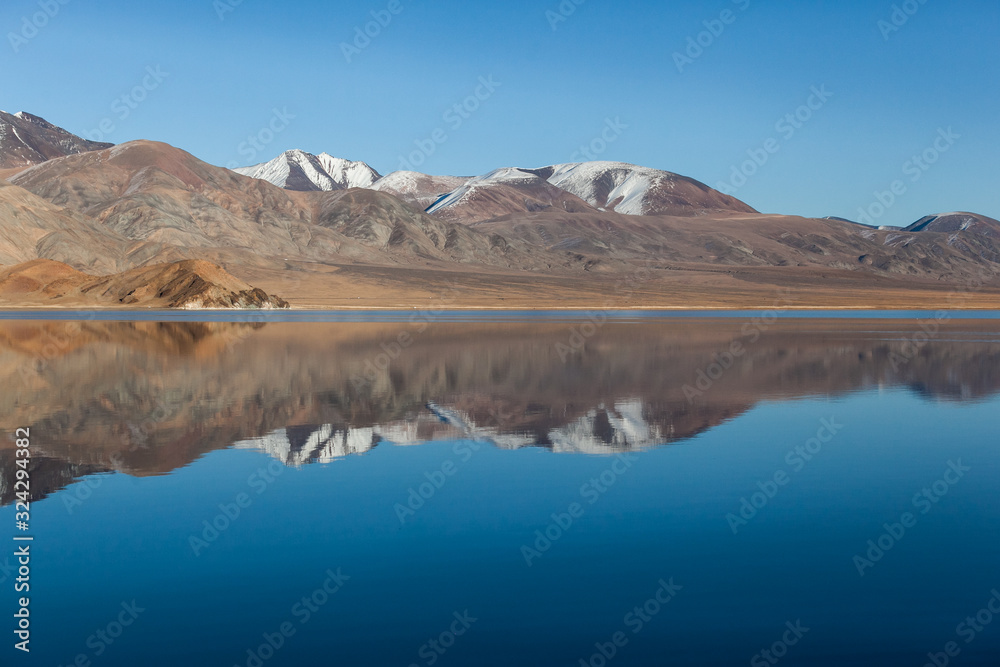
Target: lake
column 504, row 489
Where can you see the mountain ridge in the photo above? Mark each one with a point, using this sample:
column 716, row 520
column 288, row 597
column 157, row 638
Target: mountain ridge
column 583, row 227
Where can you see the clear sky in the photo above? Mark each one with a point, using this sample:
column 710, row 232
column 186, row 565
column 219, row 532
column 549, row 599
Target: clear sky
column 609, row 68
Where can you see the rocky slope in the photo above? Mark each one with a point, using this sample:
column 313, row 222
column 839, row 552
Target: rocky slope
column 418, row 190
column 190, row 284
column 26, row 140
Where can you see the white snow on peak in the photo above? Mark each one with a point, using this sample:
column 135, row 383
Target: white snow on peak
column 631, row 183
column 348, row 173
column 299, row 170
column 413, row 182
column 505, row 175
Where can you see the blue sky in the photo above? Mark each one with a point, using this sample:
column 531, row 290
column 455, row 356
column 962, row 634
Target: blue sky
column 557, row 86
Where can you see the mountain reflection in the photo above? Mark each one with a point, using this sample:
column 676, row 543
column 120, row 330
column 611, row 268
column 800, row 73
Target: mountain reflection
column 147, row 398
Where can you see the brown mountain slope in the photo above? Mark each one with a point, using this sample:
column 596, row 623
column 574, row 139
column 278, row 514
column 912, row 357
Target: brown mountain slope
column 505, row 192
column 31, row 227
column 957, row 222
column 403, row 234
column 26, row 140
column 759, row 241
column 416, row 189
column 634, row 190
column 152, row 192
column 162, row 196
column 186, row 284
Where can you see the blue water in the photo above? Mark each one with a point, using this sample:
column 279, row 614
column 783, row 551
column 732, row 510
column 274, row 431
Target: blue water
column 828, row 472
column 664, row 518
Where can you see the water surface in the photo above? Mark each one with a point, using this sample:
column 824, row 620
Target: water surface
column 547, row 478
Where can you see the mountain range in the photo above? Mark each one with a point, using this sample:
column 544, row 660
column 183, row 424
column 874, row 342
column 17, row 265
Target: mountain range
column 329, row 232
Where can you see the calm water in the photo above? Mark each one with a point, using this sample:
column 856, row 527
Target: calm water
column 559, row 491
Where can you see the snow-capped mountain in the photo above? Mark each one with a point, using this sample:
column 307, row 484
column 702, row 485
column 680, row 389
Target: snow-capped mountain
column 416, row 189
column 504, row 192
column 27, row 140
column 633, row 190
column 582, row 187
column 957, row 222
column 299, row 170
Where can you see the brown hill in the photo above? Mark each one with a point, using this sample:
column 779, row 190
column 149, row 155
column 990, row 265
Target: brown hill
column 145, row 203
column 31, row 227
column 186, row 284
column 174, row 203
column 505, row 192
column 633, row 190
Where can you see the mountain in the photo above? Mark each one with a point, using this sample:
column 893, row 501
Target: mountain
column 32, row 227
column 504, row 192
column 298, row 170
column 180, row 207
column 418, row 190
column 632, row 190
column 381, row 221
column 581, row 188
column 188, row 284
column 566, row 235
column 577, row 187
column 957, row 222
column 26, row 140
column 168, row 206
